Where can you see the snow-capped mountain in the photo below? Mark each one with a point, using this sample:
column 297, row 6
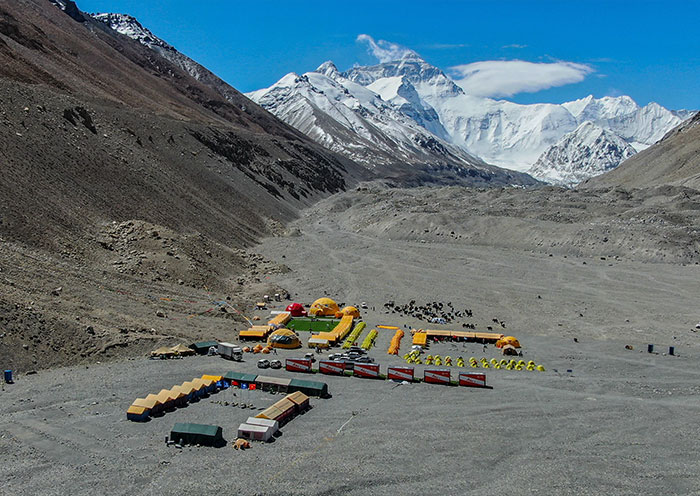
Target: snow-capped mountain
column 587, row 151
column 357, row 122
column 508, row 134
column 131, row 27
column 640, row 126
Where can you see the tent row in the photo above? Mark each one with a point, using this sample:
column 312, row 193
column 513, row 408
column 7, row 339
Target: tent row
column 395, row 343
column 420, row 337
column 177, row 396
column 261, row 332
column 279, row 384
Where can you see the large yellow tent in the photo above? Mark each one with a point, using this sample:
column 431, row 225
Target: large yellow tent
column 511, row 340
column 163, row 351
column 283, row 338
column 180, row 349
column 324, row 307
column 352, row 311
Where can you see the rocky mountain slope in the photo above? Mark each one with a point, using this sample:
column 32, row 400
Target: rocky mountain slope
column 587, row 151
column 675, row 160
column 97, row 132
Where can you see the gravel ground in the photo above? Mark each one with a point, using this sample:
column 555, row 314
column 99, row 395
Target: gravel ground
column 622, row 422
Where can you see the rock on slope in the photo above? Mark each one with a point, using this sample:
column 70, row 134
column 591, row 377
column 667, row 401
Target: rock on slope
column 675, row 160
column 587, row 151
column 645, row 225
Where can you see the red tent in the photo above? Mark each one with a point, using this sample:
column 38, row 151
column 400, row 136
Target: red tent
column 297, row 310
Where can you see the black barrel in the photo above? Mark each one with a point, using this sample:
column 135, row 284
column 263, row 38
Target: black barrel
column 671, row 350
column 650, row 348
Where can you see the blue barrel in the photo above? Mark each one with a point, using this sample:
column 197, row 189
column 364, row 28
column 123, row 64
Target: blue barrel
column 650, row 348
column 8, row 376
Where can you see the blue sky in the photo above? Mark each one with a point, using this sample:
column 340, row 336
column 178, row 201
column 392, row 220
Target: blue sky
column 649, row 50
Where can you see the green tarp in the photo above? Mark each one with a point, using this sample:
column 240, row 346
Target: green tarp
column 309, row 388
column 320, row 325
column 206, row 435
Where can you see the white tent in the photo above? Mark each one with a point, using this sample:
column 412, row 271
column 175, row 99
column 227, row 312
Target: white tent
column 255, row 432
column 318, row 342
column 264, row 422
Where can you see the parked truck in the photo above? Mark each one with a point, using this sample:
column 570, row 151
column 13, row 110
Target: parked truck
column 230, row 351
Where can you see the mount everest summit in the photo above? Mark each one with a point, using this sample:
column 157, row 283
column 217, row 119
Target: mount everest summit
column 409, row 112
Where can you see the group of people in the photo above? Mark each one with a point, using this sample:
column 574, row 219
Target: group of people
column 429, row 311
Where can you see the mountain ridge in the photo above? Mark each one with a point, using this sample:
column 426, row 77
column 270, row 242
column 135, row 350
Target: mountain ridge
column 587, row 151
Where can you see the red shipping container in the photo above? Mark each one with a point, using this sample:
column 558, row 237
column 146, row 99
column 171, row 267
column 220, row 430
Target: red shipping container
column 370, row 370
column 298, row 364
column 436, row 376
column 472, row 380
column 331, row 368
column 400, row 374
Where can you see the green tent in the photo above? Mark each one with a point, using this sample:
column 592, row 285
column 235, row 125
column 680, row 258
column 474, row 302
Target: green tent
column 206, row 435
column 203, row 346
column 309, row 388
column 240, row 377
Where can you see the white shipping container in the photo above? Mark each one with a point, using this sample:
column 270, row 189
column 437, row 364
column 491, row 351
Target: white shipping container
column 264, row 422
column 255, row 432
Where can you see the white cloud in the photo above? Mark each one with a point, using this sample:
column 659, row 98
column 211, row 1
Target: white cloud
column 499, row 78
column 385, row 51
column 514, row 45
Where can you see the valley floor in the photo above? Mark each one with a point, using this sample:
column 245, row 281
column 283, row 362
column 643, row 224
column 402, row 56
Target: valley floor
column 621, row 422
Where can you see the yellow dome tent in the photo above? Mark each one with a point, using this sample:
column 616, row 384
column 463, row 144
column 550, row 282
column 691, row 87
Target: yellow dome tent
column 510, row 340
column 352, row 311
column 283, row 338
column 324, row 307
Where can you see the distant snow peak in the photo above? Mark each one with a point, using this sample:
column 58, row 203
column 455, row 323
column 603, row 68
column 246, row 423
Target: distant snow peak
column 329, row 69
column 131, row 27
column 386, row 51
column 70, row 8
column 587, row 151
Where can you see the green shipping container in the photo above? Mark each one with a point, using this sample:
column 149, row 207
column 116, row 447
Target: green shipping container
column 206, row 435
column 309, row 388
